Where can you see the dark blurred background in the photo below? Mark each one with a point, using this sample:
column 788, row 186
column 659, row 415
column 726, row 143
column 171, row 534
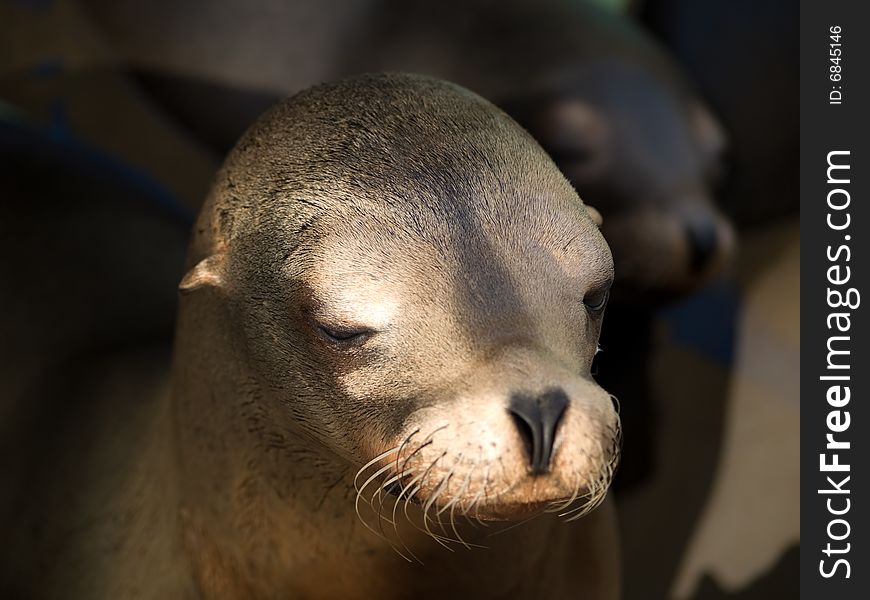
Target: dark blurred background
column 115, row 115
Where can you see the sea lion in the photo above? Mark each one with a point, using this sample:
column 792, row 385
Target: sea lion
column 402, row 293
column 383, row 346
column 599, row 94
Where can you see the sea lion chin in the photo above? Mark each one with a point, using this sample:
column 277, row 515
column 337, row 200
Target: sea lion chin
column 391, row 291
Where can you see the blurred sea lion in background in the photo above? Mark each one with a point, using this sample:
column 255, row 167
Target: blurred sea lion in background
column 599, row 95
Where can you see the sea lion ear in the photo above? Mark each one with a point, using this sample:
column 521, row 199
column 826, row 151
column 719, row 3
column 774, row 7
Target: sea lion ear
column 594, row 215
column 207, row 273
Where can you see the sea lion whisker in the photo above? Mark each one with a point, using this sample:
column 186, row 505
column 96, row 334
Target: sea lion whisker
column 567, row 515
column 432, row 498
column 452, row 511
column 381, row 517
column 436, row 493
column 596, row 494
column 474, row 506
column 440, row 539
column 616, row 405
column 422, row 445
column 587, row 508
column 452, row 500
column 483, row 489
column 437, row 518
column 405, row 490
column 438, row 513
column 383, row 497
column 402, row 446
column 379, row 457
column 359, row 495
column 597, row 490
column 416, row 489
column 381, row 533
column 455, row 531
column 583, row 502
column 471, row 470
column 359, row 491
column 517, row 524
column 505, row 477
column 440, row 488
column 451, row 505
column 395, row 525
column 408, row 491
column 560, row 506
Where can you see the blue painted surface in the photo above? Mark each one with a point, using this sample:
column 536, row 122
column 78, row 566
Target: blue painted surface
column 707, row 321
column 48, row 68
column 58, row 123
column 58, row 141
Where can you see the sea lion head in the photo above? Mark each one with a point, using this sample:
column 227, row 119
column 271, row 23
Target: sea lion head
column 647, row 153
column 413, row 285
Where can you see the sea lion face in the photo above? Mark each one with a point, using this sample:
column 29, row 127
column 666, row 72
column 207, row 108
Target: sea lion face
column 433, row 318
column 650, row 160
column 469, row 358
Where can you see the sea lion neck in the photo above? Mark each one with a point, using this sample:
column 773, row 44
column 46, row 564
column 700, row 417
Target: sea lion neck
column 245, row 490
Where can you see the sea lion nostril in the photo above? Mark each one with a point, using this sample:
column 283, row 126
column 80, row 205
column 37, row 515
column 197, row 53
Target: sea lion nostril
column 537, row 418
column 703, row 242
column 529, row 433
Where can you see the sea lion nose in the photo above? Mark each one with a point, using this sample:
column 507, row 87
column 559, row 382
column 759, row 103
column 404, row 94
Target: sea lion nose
column 703, row 237
column 537, row 419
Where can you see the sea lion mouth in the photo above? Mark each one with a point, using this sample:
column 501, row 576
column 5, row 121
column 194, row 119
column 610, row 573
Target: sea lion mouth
column 426, row 487
column 396, row 490
column 585, row 497
column 397, row 512
column 393, row 501
column 570, row 508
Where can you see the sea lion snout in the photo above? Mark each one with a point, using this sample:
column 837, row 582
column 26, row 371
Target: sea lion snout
column 667, row 251
column 705, row 242
column 523, row 433
column 537, row 418
column 709, row 241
